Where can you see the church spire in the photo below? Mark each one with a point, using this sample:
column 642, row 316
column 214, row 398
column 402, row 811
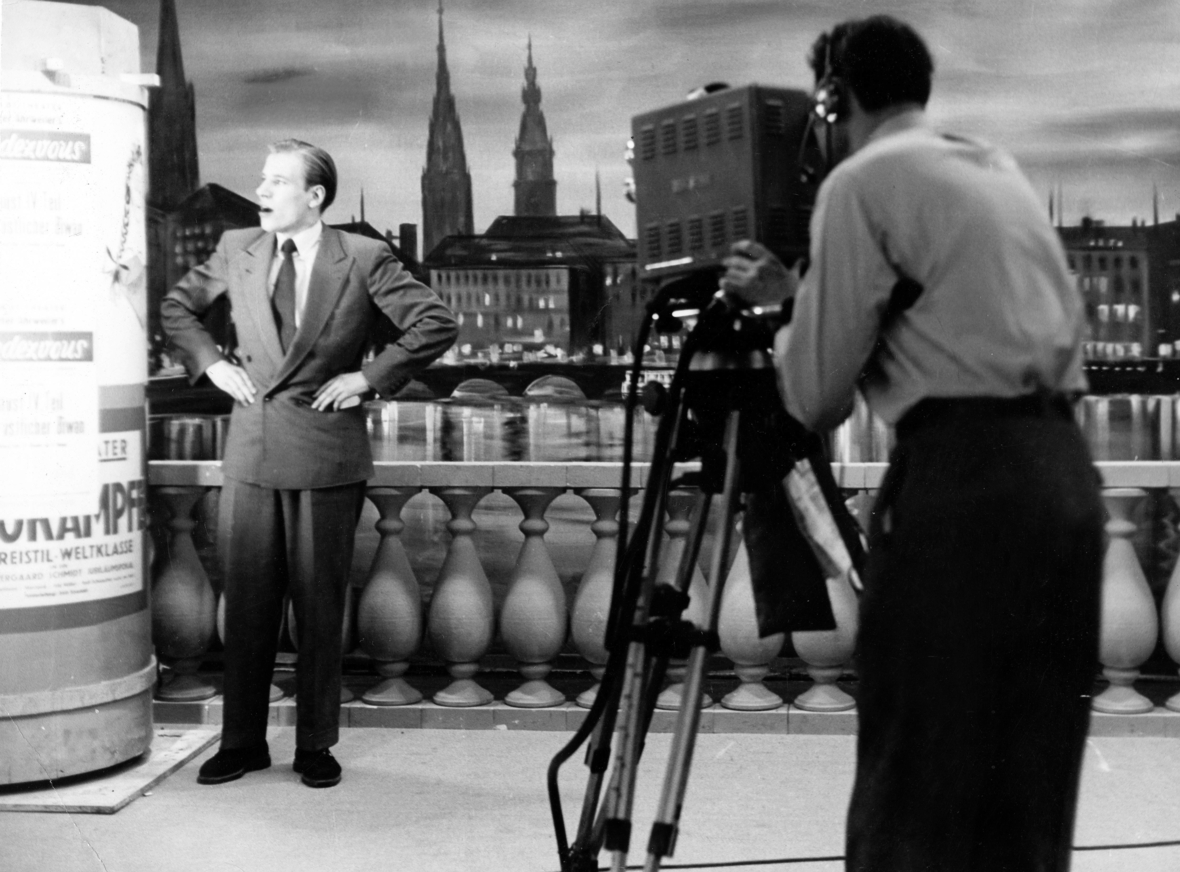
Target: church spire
column 536, row 189
column 442, row 78
column 169, row 63
column 446, row 181
column 172, row 121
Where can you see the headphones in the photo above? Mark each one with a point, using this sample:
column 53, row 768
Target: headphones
column 830, row 99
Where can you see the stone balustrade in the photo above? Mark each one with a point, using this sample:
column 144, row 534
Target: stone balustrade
column 457, row 559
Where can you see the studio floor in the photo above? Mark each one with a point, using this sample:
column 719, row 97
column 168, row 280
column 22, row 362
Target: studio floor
column 458, row 799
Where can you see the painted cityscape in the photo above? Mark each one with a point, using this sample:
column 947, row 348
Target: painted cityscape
column 531, row 278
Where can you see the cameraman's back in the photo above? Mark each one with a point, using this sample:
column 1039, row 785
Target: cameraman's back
column 979, row 617
column 998, row 314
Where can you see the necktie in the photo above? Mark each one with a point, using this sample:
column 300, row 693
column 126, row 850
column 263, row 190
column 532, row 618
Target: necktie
column 283, row 300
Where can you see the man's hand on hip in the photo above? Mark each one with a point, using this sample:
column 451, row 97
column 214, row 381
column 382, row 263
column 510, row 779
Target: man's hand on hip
column 756, row 276
column 336, row 393
column 233, row 380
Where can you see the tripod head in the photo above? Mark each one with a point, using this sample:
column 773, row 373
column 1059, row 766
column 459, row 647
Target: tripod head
column 732, row 336
column 726, row 365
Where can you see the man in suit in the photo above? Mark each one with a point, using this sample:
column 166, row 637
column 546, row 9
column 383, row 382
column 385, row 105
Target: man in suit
column 303, row 298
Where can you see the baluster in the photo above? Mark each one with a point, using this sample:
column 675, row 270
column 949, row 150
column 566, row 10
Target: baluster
column 389, row 616
column 460, row 622
column 1170, row 623
column 183, row 605
column 1129, row 624
column 149, row 545
column 679, row 506
column 826, row 652
column 591, row 609
column 534, row 617
column 751, row 654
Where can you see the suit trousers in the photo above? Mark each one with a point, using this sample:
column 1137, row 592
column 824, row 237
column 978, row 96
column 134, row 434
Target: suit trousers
column 978, row 644
column 273, row 544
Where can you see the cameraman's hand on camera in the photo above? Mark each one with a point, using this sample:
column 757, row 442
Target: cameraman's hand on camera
column 756, row 276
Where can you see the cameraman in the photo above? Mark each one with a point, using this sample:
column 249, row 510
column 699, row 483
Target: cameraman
column 939, row 289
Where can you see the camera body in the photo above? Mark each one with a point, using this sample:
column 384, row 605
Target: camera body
column 732, row 164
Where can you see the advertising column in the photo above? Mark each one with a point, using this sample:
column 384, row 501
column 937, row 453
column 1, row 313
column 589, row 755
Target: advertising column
column 76, row 664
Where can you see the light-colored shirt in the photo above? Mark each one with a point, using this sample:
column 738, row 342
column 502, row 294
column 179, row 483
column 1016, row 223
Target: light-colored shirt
column 307, row 243
column 998, row 314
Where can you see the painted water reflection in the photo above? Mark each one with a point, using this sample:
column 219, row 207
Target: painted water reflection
column 1122, row 427
column 508, row 429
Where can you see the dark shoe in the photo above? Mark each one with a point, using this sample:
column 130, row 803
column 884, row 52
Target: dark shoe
column 229, row 764
column 318, row 768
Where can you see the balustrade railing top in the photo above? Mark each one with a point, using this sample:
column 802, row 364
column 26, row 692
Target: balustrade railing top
column 1149, row 474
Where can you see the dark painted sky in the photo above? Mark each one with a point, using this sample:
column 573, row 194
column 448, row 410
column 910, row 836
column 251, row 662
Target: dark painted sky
column 1086, row 93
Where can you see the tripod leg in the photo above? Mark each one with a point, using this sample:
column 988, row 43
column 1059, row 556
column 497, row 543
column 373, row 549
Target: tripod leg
column 631, row 599
column 621, row 795
column 662, row 842
column 643, row 680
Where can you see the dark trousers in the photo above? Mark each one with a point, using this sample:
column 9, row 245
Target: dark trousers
column 978, row 643
column 275, row 543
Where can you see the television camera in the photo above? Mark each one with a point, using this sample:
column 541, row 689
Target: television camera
column 731, row 164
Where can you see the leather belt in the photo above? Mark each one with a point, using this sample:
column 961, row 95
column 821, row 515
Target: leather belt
column 935, row 411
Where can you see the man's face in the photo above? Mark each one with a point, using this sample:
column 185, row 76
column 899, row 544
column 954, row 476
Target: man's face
column 288, row 205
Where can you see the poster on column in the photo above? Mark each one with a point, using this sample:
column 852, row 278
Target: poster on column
column 63, row 559
column 72, row 315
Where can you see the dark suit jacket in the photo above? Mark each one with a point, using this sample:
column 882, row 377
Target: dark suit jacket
column 279, row 441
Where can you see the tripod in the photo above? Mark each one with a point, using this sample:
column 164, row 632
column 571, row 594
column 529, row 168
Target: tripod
column 723, row 409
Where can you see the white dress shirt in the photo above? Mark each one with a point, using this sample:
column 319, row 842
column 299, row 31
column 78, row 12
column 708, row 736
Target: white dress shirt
column 307, row 243
column 998, row 315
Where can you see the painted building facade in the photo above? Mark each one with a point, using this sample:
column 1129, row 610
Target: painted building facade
column 531, row 282
column 1129, row 279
